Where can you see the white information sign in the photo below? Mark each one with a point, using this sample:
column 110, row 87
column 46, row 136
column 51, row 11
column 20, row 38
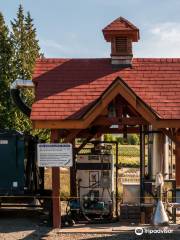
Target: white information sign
column 54, row 154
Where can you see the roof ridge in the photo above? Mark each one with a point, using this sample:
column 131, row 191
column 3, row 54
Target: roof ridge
column 119, row 19
column 147, row 59
column 155, row 59
column 68, row 59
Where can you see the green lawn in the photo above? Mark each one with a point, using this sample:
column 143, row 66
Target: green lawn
column 128, row 155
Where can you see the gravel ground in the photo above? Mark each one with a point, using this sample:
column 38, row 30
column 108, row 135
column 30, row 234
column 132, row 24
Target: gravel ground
column 79, row 236
column 119, row 236
column 27, row 225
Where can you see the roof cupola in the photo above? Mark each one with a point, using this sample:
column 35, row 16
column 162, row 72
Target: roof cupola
column 121, row 33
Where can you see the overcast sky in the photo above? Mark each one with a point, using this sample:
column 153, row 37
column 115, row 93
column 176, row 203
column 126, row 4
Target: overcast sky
column 73, row 28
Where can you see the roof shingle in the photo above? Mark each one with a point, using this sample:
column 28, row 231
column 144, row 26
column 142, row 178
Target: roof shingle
column 67, row 88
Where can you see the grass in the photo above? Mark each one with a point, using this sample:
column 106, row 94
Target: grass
column 129, row 150
column 125, row 161
column 128, row 155
column 64, row 182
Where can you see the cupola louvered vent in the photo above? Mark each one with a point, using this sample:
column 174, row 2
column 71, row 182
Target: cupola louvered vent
column 121, row 44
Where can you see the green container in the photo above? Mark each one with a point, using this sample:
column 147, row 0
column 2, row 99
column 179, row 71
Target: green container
column 12, row 154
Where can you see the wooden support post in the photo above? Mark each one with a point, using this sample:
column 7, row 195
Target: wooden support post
column 142, row 171
column 117, row 168
column 72, row 138
column 56, row 186
column 73, row 187
column 178, row 159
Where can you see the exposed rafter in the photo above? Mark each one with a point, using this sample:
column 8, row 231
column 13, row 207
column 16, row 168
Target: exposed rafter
column 107, row 130
column 77, row 150
column 105, row 121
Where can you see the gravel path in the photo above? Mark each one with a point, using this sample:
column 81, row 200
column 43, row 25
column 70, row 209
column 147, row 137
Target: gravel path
column 28, row 225
column 121, row 236
column 58, row 236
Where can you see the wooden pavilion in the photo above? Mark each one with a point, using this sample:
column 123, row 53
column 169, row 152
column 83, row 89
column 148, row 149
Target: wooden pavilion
column 83, row 98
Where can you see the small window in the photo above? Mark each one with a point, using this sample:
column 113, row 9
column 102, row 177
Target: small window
column 121, row 44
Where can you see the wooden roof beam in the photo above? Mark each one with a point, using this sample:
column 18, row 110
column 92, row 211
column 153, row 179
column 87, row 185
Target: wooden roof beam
column 105, row 121
column 107, row 130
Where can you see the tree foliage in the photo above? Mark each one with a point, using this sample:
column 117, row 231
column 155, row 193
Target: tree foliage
column 25, row 44
column 23, row 48
column 132, row 139
column 6, row 52
column 23, row 62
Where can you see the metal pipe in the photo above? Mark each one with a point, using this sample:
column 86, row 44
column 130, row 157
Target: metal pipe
column 158, row 153
column 15, row 94
column 22, row 83
column 166, row 157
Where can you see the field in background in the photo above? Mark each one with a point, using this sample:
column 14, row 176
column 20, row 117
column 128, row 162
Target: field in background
column 128, row 155
column 64, row 181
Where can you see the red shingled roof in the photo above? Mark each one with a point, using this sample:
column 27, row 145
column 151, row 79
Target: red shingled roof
column 67, row 88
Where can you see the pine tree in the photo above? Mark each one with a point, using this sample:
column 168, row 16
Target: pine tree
column 18, row 53
column 5, row 75
column 26, row 46
column 33, row 49
column 19, row 44
column 26, row 50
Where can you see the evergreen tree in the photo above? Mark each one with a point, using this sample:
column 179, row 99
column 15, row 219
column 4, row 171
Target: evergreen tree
column 26, row 51
column 25, row 43
column 5, row 75
column 18, row 54
column 33, row 49
column 19, row 44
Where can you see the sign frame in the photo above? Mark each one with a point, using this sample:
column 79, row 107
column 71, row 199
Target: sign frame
column 54, row 154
